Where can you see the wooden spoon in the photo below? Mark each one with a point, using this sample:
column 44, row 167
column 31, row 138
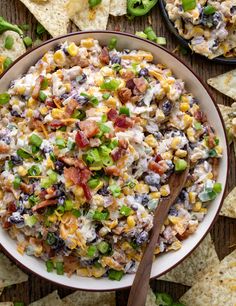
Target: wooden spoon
column 139, row 289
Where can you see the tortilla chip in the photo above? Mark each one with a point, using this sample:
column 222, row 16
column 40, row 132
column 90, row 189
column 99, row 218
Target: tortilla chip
column 17, row 49
column 9, row 273
column 225, row 83
column 227, row 45
column 79, row 298
column 151, row 298
column 51, row 14
column 6, row 304
column 118, row 7
column 93, row 19
column 74, row 6
column 217, row 287
column 229, row 205
column 195, row 266
column 52, row 299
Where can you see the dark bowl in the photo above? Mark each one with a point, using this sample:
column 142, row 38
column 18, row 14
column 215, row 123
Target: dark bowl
column 184, row 42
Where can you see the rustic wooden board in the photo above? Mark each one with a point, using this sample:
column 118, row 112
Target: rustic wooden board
column 223, row 232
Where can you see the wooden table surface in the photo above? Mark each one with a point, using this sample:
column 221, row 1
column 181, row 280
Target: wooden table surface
column 224, row 230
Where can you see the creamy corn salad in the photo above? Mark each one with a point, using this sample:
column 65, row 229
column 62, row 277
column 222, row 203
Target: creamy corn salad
column 209, row 25
column 89, row 137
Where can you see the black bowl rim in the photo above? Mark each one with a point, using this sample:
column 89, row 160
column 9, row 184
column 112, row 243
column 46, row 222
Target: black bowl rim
column 185, row 43
column 29, row 269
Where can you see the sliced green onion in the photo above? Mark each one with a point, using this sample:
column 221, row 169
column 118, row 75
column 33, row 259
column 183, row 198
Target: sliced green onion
column 52, row 156
column 93, row 3
column 76, row 213
column 115, row 190
column 116, row 67
column 104, row 118
column 7, row 63
column 30, row 220
column 49, row 265
column 212, row 153
column 68, row 205
column 16, row 182
column 50, row 180
column 19, row 304
column 163, row 299
column 51, row 238
column 217, row 187
column 103, row 247
column 93, row 156
column 23, row 154
column 60, row 268
column 33, row 199
column 40, row 30
column 125, row 211
column 93, row 183
column 217, row 141
column 113, row 144
column 92, row 250
column 110, row 85
column 99, row 216
column 42, row 96
column 60, row 142
column 197, row 126
column 104, row 128
column 141, row 35
column 94, row 100
column 35, row 140
column 209, row 10
column 106, row 96
column 4, row 98
column 189, row 5
column 124, row 110
column 112, row 43
column 180, row 165
column 151, row 35
column 70, row 145
column 115, row 275
column 161, row 40
column 44, row 84
column 27, row 41
column 34, row 171
column 9, row 42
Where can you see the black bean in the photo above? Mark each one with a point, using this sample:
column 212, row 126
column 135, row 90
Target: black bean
column 15, row 113
column 47, row 149
column 152, row 179
column 65, row 51
column 16, row 218
column 233, row 10
column 134, row 207
column 81, row 99
column 58, row 244
column 115, row 59
column 16, row 160
column 59, row 166
column 64, row 96
column 6, row 139
column 145, row 199
column 56, row 48
column 158, row 135
column 104, row 191
column 142, row 238
column 143, row 72
column 183, row 195
column 173, row 212
column 166, row 107
column 82, row 79
column 217, row 18
column 61, row 201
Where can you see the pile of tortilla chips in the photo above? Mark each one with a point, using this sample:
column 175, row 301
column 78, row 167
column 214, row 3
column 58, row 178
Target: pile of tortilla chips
column 55, row 15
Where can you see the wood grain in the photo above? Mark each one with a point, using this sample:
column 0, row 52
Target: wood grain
column 224, row 230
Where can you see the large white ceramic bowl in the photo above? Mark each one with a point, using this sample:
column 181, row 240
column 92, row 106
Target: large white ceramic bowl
column 164, row 262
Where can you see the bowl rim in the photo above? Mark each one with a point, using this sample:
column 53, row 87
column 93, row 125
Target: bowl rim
column 28, row 269
column 184, row 42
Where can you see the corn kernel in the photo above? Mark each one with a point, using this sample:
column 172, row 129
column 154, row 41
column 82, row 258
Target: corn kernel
column 72, row 49
column 184, row 99
column 197, row 206
column 98, row 272
column 191, row 134
column 174, row 220
column 82, row 272
column 167, row 155
column 131, row 222
column 57, row 113
column 78, row 191
column 175, row 142
column 107, row 72
column 50, row 164
column 181, row 153
column 188, row 120
column 67, row 87
column 219, row 150
column 59, row 57
column 143, row 122
column 98, row 200
column 32, row 103
column 21, row 90
column 203, row 210
column 127, row 191
column 29, row 113
column 141, row 188
column 22, row 171
column 43, row 110
column 165, row 190
column 87, row 43
column 184, row 107
column 98, row 80
column 52, row 218
column 192, row 197
column 167, row 221
column 159, row 116
column 210, row 176
column 151, row 141
column 71, row 243
column 155, row 195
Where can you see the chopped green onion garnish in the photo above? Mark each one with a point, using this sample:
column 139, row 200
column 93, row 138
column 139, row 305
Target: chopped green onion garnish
column 68, row 205
column 163, row 299
column 4, row 98
column 189, row 5
column 44, row 84
column 27, row 41
column 209, row 10
column 116, row 67
column 103, row 247
column 151, row 35
column 110, row 85
column 115, row 190
column 9, row 42
column 106, row 96
column 23, row 154
column 19, row 304
column 115, row 275
column 16, row 182
column 93, row 183
column 7, row 63
column 34, row 171
column 212, row 153
column 35, row 140
column 42, row 96
column 60, row 142
column 161, row 40
column 60, row 268
column 92, row 250
column 125, row 211
column 51, row 238
column 141, row 35
column 30, row 220
column 94, row 100
column 217, row 187
column 197, row 125
column 49, row 265
column 180, row 165
column 99, row 216
column 125, row 111
column 33, row 199
column 52, row 156
column 70, row 145
column 104, row 128
column 93, row 3
column 104, row 118
column 40, row 30
column 112, row 43
column 76, row 213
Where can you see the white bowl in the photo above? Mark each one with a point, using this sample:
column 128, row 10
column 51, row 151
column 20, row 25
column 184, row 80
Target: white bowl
column 164, row 262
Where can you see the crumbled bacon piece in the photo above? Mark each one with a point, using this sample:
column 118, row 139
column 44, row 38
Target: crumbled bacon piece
column 112, row 114
column 26, row 188
column 123, row 122
column 4, row 148
column 124, row 94
column 156, row 167
column 112, row 171
column 11, row 207
column 86, row 190
column 71, row 161
column 127, row 75
column 117, row 153
column 83, row 62
column 44, row 204
column 130, row 84
column 50, row 103
column 71, row 106
column 72, row 174
column 141, row 84
column 37, row 87
column 81, row 140
column 104, row 56
column 56, row 124
column 89, row 127
column 123, row 143
column 94, row 142
column 158, row 158
column 200, row 116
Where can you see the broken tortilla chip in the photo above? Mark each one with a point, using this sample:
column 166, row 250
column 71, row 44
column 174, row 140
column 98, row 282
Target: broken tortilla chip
column 225, row 83
column 151, row 298
column 218, row 287
column 17, row 49
column 90, row 299
column 93, row 19
column 229, row 206
column 52, row 299
column 10, row 274
column 6, row 304
column 51, row 14
column 118, row 7
column 203, row 259
column 228, row 44
column 229, row 117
